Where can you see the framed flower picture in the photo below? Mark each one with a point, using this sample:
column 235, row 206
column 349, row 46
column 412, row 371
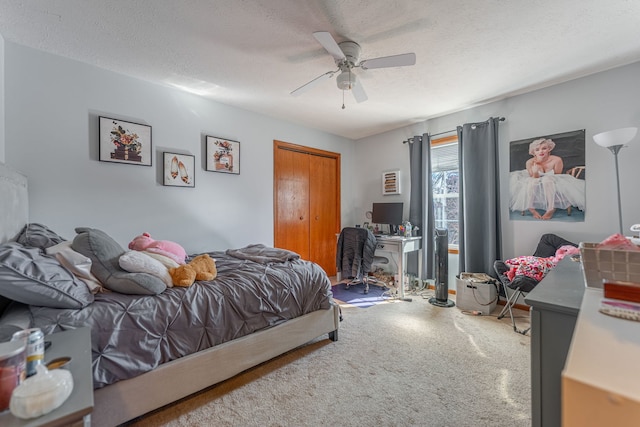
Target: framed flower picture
column 223, row 155
column 124, row 142
column 178, row 170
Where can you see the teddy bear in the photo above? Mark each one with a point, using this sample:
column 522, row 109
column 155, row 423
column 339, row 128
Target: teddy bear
column 172, row 250
column 202, row 267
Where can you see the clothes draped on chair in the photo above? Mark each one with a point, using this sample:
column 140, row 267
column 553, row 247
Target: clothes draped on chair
column 355, row 252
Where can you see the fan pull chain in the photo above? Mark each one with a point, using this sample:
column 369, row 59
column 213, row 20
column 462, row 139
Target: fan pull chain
column 343, row 99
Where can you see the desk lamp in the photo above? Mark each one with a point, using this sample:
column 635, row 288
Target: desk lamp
column 614, row 140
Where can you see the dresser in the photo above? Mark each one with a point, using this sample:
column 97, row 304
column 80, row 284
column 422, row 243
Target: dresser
column 555, row 303
column 600, row 382
column 76, row 410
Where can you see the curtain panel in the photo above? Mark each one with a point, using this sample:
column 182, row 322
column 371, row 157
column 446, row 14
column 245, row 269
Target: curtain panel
column 421, row 202
column 479, row 193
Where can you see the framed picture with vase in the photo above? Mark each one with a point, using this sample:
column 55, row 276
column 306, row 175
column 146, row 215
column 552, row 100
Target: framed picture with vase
column 223, row 155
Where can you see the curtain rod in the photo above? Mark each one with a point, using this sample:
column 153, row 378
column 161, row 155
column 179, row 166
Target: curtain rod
column 452, row 130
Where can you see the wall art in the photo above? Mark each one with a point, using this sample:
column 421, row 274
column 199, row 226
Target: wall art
column 547, row 178
column 178, row 170
column 124, row 142
column 223, row 155
column 391, row 183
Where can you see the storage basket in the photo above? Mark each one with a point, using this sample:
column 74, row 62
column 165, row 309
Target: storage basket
column 476, row 292
column 609, row 264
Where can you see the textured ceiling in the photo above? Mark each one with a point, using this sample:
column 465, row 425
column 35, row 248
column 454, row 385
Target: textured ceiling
column 252, row 54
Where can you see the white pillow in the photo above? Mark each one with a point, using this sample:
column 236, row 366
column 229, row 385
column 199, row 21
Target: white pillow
column 165, row 260
column 77, row 263
column 139, row 262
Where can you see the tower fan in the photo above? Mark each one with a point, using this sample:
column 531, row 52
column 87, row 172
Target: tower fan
column 442, row 269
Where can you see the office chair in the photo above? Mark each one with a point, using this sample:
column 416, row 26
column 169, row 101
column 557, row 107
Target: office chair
column 355, row 255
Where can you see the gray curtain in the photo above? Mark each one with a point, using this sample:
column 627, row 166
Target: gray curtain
column 421, row 202
column 479, row 206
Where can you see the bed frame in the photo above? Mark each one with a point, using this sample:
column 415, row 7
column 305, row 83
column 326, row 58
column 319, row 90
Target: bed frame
column 128, row 399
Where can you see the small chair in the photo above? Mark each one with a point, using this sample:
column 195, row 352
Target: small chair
column 520, row 285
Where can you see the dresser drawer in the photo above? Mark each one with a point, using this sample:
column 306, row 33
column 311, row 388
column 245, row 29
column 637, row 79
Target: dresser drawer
column 389, row 246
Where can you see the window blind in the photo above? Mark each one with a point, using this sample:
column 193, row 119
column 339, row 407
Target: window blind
column 444, row 157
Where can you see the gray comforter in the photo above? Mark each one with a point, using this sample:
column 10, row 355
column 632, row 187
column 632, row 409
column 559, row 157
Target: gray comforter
column 133, row 334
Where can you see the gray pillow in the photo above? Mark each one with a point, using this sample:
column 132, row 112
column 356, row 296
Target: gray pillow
column 29, row 277
column 105, row 254
column 35, row 235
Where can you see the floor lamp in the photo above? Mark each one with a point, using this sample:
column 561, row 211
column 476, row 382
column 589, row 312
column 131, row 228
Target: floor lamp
column 614, row 140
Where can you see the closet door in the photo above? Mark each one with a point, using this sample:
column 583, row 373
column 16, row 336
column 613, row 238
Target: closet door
column 307, row 202
column 324, row 217
column 291, row 225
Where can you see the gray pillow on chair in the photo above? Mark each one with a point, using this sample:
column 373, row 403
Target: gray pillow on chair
column 105, row 254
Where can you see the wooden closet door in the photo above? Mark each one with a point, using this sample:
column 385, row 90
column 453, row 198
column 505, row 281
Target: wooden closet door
column 307, row 202
column 323, row 212
column 291, row 177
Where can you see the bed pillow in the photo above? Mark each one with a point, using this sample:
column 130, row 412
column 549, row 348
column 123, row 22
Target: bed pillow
column 140, row 262
column 105, row 254
column 29, row 277
column 164, row 260
column 76, row 263
column 35, row 235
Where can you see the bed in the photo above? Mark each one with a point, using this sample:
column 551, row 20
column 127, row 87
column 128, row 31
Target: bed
column 190, row 337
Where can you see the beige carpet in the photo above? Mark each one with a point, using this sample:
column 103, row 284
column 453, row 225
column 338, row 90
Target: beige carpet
column 395, row 364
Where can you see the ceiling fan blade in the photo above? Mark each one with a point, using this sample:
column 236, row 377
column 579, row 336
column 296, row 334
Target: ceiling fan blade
column 328, row 42
column 305, row 87
column 389, row 61
column 358, row 92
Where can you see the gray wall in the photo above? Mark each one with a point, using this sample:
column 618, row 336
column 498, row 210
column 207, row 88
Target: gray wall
column 51, row 109
column 596, row 103
column 1, row 99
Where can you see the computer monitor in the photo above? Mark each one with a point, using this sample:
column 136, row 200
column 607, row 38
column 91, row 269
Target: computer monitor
column 387, row 213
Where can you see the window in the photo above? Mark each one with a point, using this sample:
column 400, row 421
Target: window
column 444, row 176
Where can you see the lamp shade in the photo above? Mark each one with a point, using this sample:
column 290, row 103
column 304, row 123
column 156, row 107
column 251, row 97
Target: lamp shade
column 615, row 137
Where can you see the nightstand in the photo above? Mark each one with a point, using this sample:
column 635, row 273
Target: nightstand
column 76, row 410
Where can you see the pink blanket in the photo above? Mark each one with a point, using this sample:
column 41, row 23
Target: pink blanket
column 536, row 267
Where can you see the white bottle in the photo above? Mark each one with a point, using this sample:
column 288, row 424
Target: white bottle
column 407, row 229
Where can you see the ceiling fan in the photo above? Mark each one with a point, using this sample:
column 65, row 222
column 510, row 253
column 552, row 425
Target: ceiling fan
column 347, row 57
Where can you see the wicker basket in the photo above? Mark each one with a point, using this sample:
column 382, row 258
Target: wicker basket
column 609, row 264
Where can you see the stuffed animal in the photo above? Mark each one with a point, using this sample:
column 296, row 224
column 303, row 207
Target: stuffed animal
column 172, row 250
column 202, row 267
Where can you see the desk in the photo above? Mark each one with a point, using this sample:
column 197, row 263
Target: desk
column 76, row 410
column 555, row 303
column 398, row 247
column 600, row 380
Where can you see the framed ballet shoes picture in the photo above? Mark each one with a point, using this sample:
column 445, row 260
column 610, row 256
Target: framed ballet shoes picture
column 223, row 155
column 178, row 170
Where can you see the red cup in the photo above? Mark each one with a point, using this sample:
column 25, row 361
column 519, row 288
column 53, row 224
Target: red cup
column 12, row 369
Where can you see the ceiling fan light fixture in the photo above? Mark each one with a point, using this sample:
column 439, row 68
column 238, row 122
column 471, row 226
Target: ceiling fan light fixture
column 346, row 55
column 346, row 80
